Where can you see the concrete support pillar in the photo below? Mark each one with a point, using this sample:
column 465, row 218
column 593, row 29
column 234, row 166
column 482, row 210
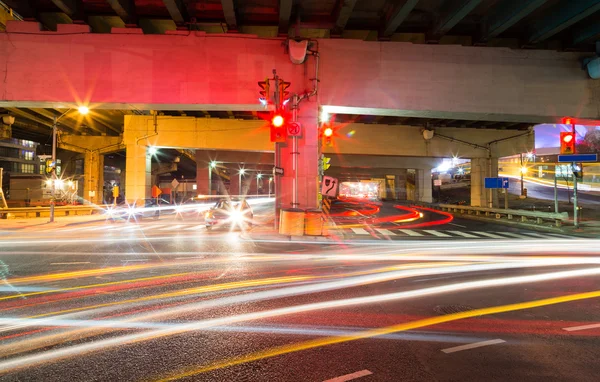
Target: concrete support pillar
column 482, row 168
column 424, row 185
column 204, row 174
column 306, row 171
column 252, row 186
column 401, row 184
column 138, row 176
column 93, row 174
column 494, row 174
column 234, row 180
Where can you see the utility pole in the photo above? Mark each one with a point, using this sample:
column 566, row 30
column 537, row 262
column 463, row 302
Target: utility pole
column 575, row 208
column 53, row 189
column 2, row 192
column 555, row 190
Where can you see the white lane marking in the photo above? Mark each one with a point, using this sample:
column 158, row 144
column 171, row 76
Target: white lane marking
column 458, row 225
column 463, row 234
column 189, row 257
column 489, row 235
column 510, row 234
column 349, row 377
column 359, row 231
column 170, row 228
column 472, row 346
column 71, row 263
column 560, row 236
column 410, row 232
column 582, row 327
column 436, row 233
column 385, row 232
column 195, row 227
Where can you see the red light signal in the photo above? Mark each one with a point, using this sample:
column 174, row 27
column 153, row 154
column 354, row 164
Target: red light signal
column 567, row 143
column 327, row 135
column 328, row 132
column 278, row 128
column 567, row 121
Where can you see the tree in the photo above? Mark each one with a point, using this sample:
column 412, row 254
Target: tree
column 590, row 143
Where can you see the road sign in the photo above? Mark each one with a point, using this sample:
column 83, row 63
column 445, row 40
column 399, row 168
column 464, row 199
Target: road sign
column 156, row 191
column 174, row 183
column 437, row 182
column 329, row 186
column 496, row 182
column 294, row 129
column 578, row 158
column 278, row 171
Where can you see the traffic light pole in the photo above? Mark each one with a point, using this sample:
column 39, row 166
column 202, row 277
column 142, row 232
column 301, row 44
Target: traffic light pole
column 295, row 153
column 53, row 189
column 575, row 207
column 555, row 190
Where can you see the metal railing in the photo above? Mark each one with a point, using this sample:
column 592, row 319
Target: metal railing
column 39, row 212
column 538, row 217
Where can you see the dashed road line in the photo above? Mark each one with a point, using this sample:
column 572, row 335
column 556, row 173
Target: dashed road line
column 472, row 346
column 582, row 327
column 534, row 234
column 410, row 232
column 436, row 233
column 349, row 377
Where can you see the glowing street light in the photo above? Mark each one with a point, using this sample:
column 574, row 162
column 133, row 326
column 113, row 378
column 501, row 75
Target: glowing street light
column 524, row 170
column 152, row 150
column 83, row 110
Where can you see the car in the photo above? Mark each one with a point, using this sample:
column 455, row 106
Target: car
column 137, row 211
column 229, row 213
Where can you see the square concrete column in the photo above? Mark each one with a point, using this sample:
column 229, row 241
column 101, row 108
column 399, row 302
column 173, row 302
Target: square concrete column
column 480, row 169
column 234, row 180
column 93, row 175
column 306, row 171
column 204, row 175
column 138, row 176
column 424, row 185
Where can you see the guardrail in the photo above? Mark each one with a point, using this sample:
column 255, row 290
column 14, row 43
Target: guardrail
column 523, row 215
column 40, row 212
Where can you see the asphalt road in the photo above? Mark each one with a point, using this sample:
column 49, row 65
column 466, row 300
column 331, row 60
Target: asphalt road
column 124, row 301
column 539, row 191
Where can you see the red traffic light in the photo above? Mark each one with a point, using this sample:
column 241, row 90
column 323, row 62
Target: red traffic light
column 567, row 138
column 567, row 142
column 328, row 132
column 277, row 121
column 567, row 121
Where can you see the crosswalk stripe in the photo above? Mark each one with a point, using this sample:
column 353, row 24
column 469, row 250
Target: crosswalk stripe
column 560, row 236
column 359, row 231
column 463, row 234
column 489, row 235
column 194, row 228
column 410, row 232
column 436, row 233
column 385, row 232
column 535, row 235
column 510, row 234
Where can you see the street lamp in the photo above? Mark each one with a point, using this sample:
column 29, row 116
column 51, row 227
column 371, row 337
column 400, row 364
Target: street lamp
column 258, row 177
column 83, row 110
column 211, row 165
column 270, row 181
column 241, row 174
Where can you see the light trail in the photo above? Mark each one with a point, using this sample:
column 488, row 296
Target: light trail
column 61, row 353
column 286, row 349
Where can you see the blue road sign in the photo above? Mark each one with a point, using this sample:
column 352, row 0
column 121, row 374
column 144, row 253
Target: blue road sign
column 578, row 158
column 496, row 182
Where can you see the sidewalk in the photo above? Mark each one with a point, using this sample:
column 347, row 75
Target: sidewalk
column 62, row 221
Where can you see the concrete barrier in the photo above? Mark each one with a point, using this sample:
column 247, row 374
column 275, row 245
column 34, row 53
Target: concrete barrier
column 41, row 212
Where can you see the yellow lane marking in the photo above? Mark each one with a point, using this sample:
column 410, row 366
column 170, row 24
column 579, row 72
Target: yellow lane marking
column 286, row 349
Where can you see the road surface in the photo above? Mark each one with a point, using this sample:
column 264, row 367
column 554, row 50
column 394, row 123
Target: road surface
column 168, row 300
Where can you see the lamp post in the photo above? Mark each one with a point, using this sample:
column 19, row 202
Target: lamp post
column 258, row 177
column 241, row 174
column 270, row 181
column 83, row 110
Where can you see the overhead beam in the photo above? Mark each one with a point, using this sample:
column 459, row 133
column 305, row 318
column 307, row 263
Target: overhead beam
column 452, row 12
column 397, row 16
column 177, row 10
column 343, row 12
column 30, row 117
column 285, row 12
column 73, row 8
column 560, row 17
column 229, row 13
column 507, row 13
column 587, row 33
column 125, row 9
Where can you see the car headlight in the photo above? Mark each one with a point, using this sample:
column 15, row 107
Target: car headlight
column 236, row 216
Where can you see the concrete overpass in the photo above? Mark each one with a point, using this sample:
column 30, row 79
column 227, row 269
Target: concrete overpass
column 430, row 86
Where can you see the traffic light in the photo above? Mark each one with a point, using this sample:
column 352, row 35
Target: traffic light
column 577, row 169
column 567, row 142
column 324, row 164
column 50, row 166
column 283, row 94
column 327, row 134
column 278, row 127
column 264, row 93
